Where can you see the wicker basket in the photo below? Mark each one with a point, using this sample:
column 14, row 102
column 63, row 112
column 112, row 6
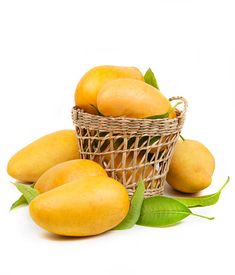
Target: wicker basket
column 130, row 149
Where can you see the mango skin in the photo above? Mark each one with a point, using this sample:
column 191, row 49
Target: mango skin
column 131, row 98
column 66, row 172
column 138, row 176
column 172, row 114
column 83, row 207
column 32, row 161
column 191, row 168
column 90, row 84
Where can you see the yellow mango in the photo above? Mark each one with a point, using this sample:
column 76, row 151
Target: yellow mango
column 66, row 172
column 84, row 207
column 90, row 84
column 172, row 114
column 140, row 173
column 33, row 160
column 131, row 98
column 191, row 167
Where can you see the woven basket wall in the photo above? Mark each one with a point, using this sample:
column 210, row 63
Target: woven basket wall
column 130, row 149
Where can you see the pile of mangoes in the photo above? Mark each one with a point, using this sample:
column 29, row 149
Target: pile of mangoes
column 120, row 91
column 76, row 197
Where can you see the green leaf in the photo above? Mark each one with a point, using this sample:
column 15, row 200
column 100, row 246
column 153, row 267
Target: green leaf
column 117, row 143
column 19, row 202
column 135, row 208
column 162, row 211
column 154, row 139
column 28, row 192
column 150, row 78
column 165, row 115
column 203, row 200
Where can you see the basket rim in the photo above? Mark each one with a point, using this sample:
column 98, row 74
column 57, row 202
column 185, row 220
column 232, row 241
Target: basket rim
column 180, row 113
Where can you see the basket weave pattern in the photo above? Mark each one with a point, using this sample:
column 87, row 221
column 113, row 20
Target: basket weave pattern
column 130, row 149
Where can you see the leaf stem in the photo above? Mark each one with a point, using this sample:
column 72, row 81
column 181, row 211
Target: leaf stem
column 201, row 216
column 178, row 103
column 182, row 137
column 227, row 181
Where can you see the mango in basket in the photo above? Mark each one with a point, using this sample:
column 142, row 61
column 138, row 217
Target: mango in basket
column 131, row 98
column 132, row 175
column 83, row 207
column 33, row 160
column 90, row 84
column 191, row 168
column 68, row 171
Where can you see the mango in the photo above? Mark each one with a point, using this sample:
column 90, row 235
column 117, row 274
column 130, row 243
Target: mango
column 132, row 175
column 131, row 98
column 84, row 207
column 66, row 172
column 191, row 168
column 90, row 84
column 33, row 160
column 172, row 114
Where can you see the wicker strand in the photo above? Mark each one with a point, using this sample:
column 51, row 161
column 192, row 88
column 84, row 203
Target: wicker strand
column 131, row 149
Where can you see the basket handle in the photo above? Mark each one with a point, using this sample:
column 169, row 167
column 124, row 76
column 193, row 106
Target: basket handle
column 182, row 99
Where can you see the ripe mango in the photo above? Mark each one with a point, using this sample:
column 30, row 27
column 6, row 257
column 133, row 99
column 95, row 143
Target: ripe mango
column 33, row 160
column 90, row 84
column 84, row 207
column 140, row 173
column 191, row 167
column 131, row 98
column 66, row 172
column 172, row 114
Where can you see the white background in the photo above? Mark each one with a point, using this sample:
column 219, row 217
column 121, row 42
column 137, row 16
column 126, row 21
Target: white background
column 45, row 47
